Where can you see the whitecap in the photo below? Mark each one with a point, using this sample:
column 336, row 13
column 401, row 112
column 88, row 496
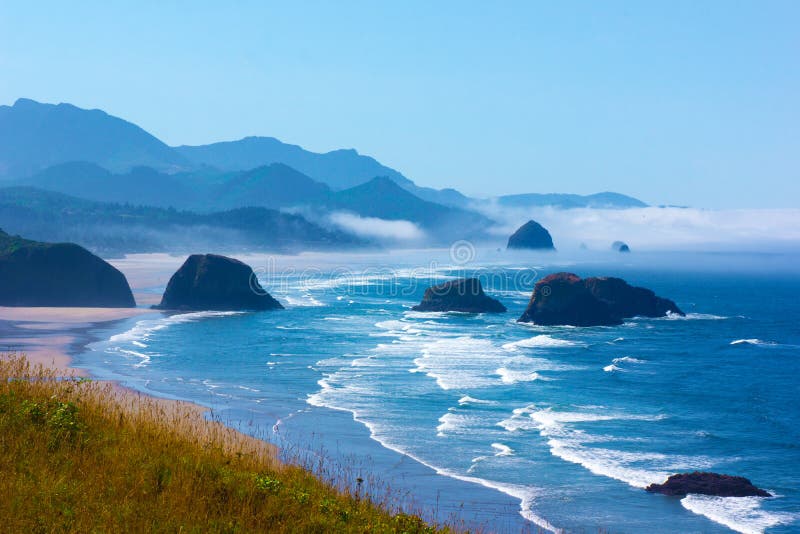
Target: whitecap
column 742, row 514
column 540, row 341
column 452, row 422
column 753, row 341
column 466, row 399
column 508, row 376
column 627, row 359
column 636, row 468
column 502, row 450
column 692, row 317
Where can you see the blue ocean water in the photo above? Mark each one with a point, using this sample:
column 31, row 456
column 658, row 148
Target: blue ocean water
column 510, row 426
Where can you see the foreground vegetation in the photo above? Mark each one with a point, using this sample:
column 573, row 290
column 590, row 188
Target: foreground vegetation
column 82, row 456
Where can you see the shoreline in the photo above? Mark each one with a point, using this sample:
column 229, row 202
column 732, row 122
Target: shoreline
column 52, row 337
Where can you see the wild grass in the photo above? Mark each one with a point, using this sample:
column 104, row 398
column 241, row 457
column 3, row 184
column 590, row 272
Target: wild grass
column 83, row 456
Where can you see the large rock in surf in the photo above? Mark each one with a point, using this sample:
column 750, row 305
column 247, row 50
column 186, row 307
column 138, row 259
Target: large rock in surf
column 708, row 484
column 58, row 274
column 625, row 300
column 566, row 299
column 531, row 235
column 563, row 299
column 463, row 295
column 212, row 282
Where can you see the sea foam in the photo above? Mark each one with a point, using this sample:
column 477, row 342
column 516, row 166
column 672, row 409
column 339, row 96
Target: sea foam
column 742, row 514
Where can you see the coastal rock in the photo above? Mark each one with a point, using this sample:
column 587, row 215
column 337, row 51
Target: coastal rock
column 566, row 299
column 463, row 295
column 620, row 246
column 625, row 300
column 708, row 484
column 33, row 273
column 531, row 235
column 212, row 282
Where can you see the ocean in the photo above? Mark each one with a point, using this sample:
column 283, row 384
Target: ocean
column 495, row 424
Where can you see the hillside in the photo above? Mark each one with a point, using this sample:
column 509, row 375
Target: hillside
column 339, row 169
column 274, row 186
column 34, row 136
column 80, row 456
column 606, row 200
column 110, row 229
column 381, row 197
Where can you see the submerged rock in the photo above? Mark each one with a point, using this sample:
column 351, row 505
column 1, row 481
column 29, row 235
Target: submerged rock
column 58, row 274
column 463, row 295
column 566, row 299
column 620, row 246
column 212, row 282
column 531, row 235
column 708, row 484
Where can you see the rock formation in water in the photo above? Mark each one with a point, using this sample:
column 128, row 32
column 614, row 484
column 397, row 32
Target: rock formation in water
column 708, row 484
column 463, row 295
column 58, row 274
column 620, row 246
column 625, row 300
column 212, row 282
column 566, row 299
column 531, row 235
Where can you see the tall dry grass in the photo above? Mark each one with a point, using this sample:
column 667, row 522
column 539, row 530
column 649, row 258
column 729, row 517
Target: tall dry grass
column 83, row 456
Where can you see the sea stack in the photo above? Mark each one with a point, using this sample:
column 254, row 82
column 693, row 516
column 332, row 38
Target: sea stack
column 212, row 282
column 566, row 299
column 463, row 295
column 620, row 246
column 531, row 235
column 58, row 274
column 708, row 484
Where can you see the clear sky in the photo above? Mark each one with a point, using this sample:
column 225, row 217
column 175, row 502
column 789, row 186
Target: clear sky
column 678, row 102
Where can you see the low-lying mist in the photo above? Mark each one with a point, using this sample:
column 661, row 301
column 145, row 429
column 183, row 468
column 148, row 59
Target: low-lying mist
column 657, row 229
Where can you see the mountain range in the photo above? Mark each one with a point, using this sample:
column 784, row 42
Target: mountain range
column 91, row 155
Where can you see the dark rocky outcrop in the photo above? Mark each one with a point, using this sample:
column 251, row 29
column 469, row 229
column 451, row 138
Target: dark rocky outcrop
column 708, row 484
column 620, row 246
column 212, row 282
column 463, row 295
column 531, row 235
column 566, row 299
column 625, row 300
column 58, row 274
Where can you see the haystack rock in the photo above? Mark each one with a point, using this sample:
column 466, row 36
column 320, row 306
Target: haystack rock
column 620, row 246
column 212, row 282
column 566, row 299
column 531, row 235
column 463, row 295
column 708, row 484
column 58, row 274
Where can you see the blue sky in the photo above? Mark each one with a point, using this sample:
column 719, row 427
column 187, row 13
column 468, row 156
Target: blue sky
column 677, row 102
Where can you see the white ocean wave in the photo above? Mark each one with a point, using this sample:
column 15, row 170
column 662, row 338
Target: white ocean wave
column 638, row 469
column 540, row 341
column 753, row 341
column 466, row 399
column 502, row 450
column 742, row 514
column 508, row 376
column 692, row 317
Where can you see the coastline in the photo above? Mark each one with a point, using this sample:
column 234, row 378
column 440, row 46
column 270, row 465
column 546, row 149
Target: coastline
column 51, row 337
